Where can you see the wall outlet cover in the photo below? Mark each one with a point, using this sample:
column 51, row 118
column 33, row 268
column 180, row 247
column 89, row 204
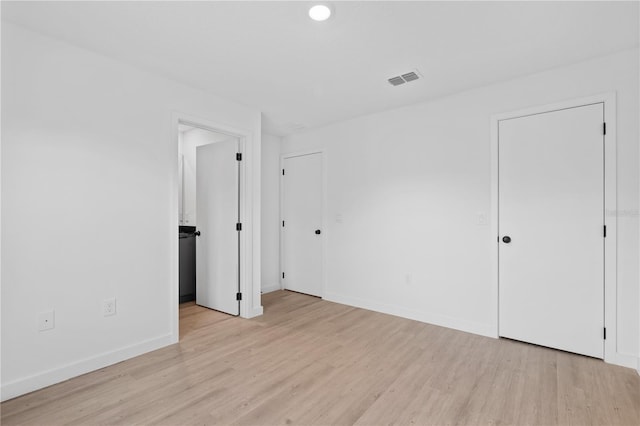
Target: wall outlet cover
column 46, row 320
column 109, row 307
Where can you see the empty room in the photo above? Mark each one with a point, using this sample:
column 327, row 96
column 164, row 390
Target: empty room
column 320, row 213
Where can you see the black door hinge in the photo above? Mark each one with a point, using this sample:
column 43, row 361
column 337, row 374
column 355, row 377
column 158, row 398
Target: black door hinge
column 604, row 232
column 238, row 227
column 238, row 296
column 604, row 128
column 283, row 223
column 604, row 333
column 282, row 172
column 283, row 275
column 239, row 156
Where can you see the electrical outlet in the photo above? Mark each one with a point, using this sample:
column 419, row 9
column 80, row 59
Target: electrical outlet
column 46, row 320
column 109, row 307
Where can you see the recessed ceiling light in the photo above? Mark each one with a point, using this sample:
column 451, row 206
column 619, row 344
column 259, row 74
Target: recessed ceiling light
column 320, row 12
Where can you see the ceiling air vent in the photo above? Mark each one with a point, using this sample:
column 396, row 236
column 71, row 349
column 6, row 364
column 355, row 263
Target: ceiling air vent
column 410, row 76
column 396, row 81
column 294, row 127
column 404, row 78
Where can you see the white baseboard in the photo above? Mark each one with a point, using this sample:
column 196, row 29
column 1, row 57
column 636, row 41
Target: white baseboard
column 255, row 312
column 430, row 318
column 621, row 359
column 624, row 360
column 271, row 287
column 77, row 368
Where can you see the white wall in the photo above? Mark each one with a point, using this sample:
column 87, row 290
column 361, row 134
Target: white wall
column 270, row 213
column 409, row 184
column 89, row 206
column 189, row 141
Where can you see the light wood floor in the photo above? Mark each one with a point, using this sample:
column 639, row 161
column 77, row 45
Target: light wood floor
column 308, row 361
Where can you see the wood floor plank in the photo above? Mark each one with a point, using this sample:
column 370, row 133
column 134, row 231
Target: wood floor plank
column 307, row 361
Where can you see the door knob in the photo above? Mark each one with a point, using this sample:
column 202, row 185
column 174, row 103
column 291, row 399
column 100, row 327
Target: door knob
column 506, row 239
column 197, row 233
column 318, row 232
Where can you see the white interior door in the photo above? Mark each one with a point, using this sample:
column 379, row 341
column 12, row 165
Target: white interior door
column 302, row 227
column 551, row 207
column 217, row 247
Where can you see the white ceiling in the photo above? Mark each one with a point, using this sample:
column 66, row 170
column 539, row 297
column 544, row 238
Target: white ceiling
column 303, row 73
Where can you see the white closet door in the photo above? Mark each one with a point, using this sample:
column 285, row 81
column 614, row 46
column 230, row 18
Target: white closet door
column 551, row 190
column 302, row 231
column 217, row 245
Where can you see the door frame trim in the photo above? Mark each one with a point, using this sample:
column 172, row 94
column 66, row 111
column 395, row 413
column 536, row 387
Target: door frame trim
column 611, row 354
column 249, row 306
column 323, row 211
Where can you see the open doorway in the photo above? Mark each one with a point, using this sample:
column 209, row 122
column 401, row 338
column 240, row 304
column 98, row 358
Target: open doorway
column 209, row 202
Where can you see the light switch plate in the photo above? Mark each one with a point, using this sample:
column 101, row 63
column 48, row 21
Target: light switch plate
column 482, row 219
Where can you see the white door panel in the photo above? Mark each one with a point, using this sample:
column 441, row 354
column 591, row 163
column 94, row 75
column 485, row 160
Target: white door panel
column 217, row 215
column 551, row 205
column 302, row 215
